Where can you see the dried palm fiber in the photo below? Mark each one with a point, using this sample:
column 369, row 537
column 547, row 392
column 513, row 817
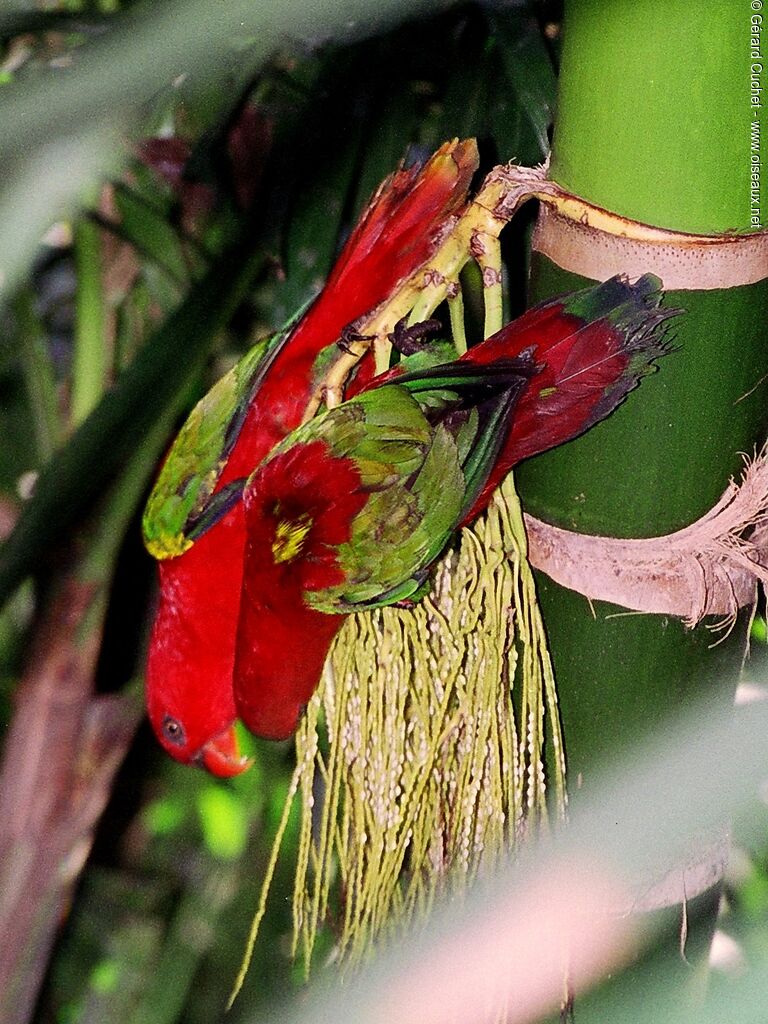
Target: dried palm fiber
column 711, row 567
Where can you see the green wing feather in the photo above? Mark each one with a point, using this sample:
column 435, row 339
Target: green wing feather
column 423, row 446
column 182, row 503
column 402, row 530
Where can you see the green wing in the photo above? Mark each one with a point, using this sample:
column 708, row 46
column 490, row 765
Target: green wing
column 423, row 447
column 401, row 531
column 412, row 474
column 423, row 468
column 182, row 504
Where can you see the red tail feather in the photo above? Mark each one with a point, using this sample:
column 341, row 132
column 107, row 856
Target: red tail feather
column 396, row 233
column 593, row 347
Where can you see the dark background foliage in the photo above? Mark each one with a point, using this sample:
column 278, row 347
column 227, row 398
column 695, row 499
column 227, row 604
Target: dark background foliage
column 200, row 189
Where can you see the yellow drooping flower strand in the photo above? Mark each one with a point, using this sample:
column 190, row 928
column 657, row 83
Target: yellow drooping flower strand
column 420, row 760
column 431, row 772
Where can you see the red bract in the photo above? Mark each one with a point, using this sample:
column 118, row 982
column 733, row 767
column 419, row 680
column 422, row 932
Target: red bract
column 189, row 673
column 168, row 157
column 248, row 142
column 248, row 145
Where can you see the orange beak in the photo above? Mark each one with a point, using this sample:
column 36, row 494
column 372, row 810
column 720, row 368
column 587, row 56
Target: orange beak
column 221, row 757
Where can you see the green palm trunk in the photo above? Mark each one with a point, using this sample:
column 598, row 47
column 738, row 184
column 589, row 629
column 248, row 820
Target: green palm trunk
column 654, row 123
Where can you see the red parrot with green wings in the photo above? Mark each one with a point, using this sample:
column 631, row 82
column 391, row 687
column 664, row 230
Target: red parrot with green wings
column 194, row 521
column 266, row 539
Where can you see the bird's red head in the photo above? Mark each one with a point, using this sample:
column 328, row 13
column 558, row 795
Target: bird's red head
column 189, row 671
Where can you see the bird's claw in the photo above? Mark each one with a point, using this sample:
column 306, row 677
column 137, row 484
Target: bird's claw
column 408, row 340
column 349, row 335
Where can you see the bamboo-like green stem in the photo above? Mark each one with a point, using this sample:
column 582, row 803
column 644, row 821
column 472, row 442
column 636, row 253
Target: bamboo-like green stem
column 654, row 111
column 651, row 127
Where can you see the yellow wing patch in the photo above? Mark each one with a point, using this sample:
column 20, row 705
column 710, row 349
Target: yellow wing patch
column 168, row 546
column 289, row 538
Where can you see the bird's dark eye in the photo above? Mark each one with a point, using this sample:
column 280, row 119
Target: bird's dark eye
column 173, row 731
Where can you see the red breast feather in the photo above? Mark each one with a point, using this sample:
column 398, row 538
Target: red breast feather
column 298, row 508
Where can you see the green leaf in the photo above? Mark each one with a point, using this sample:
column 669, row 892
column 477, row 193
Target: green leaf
column 163, row 816
column 67, row 126
column 393, row 123
column 163, row 369
column 471, row 80
column 90, row 351
column 20, row 22
column 224, row 821
column 529, row 74
column 150, row 233
column 318, row 190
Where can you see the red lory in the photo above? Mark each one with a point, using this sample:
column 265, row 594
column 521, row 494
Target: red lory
column 194, row 522
column 352, row 509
